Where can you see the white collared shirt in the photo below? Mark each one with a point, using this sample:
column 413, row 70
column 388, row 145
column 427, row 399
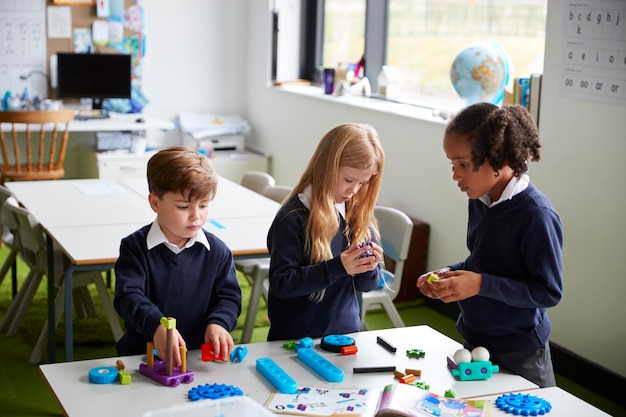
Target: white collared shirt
column 305, row 198
column 514, row 187
column 156, row 237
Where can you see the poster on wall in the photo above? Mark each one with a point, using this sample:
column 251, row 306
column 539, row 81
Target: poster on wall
column 594, row 51
column 23, row 47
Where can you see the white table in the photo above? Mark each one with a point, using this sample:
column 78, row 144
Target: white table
column 563, row 404
column 115, row 124
column 88, row 218
column 78, row 397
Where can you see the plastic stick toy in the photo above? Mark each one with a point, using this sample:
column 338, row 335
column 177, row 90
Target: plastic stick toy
column 320, row 365
column 163, row 371
column 275, row 374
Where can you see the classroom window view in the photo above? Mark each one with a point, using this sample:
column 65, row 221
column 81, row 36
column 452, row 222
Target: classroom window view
column 423, row 37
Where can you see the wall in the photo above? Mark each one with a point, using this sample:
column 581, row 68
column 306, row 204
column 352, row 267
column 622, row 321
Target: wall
column 213, row 56
column 579, row 171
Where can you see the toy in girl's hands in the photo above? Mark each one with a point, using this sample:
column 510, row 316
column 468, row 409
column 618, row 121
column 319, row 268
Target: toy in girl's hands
column 368, row 253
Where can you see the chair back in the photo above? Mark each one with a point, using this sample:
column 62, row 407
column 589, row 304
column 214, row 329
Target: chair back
column 31, row 237
column 395, row 233
column 36, row 146
column 277, row 193
column 8, row 221
column 257, row 181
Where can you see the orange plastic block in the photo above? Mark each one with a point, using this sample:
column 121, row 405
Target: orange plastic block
column 407, row 379
column 349, row 350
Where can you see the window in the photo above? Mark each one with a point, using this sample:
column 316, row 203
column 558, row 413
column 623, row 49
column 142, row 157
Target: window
column 421, row 38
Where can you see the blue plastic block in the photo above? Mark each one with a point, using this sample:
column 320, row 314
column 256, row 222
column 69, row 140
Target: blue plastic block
column 305, row 342
column 472, row 371
column 238, row 354
column 274, row 373
column 320, row 365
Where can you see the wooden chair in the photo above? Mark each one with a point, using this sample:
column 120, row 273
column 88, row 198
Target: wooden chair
column 27, row 155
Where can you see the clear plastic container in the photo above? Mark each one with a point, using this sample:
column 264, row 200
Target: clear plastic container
column 237, row 406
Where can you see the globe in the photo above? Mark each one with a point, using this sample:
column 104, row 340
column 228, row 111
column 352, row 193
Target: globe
column 480, row 72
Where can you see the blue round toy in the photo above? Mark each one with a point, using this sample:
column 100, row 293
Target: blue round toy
column 523, row 404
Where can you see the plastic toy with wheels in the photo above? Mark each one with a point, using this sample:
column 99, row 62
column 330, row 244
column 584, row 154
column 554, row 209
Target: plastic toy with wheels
column 471, row 366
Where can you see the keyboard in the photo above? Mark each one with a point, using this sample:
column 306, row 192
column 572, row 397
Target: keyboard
column 90, row 115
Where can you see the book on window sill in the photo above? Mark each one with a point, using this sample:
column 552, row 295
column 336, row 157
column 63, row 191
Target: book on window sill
column 396, row 400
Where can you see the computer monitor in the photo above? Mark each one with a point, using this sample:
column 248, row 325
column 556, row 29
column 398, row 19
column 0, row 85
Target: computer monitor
column 95, row 76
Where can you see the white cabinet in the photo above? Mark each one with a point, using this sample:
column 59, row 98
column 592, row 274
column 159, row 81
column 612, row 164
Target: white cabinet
column 228, row 164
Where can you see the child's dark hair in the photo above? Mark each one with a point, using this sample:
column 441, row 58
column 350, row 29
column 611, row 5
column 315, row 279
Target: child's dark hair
column 180, row 169
column 499, row 135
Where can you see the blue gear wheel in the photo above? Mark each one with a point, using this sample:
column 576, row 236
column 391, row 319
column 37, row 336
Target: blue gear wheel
column 213, row 392
column 523, row 404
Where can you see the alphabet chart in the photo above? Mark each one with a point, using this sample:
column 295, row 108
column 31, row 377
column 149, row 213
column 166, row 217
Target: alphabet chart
column 22, row 45
column 594, row 51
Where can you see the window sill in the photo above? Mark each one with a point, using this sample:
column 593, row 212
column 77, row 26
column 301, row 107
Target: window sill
column 371, row 103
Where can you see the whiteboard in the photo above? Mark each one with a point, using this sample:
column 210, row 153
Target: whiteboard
column 22, row 46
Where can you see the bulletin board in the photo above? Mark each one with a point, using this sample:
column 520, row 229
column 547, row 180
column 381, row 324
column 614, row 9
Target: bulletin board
column 30, row 32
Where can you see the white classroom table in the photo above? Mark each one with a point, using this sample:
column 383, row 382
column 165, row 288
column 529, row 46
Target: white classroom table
column 69, row 381
column 563, row 404
column 87, row 219
column 231, row 199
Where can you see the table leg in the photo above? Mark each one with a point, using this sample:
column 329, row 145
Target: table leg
column 51, row 313
column 253, row 305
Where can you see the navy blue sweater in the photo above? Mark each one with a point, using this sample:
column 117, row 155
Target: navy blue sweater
column 517, row 247
column 197, row 287
column 292, row 279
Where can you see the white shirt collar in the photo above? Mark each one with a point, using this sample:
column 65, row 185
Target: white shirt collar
column 156, row 237
column 305, row 198
column 514, row 187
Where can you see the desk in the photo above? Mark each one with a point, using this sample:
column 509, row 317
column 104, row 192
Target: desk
column 77, row 397
column 122, row 123
column 107, row 211
column 563, row 404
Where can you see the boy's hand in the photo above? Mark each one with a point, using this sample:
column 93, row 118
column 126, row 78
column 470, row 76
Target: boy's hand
column 160, row 343
column 221, row 340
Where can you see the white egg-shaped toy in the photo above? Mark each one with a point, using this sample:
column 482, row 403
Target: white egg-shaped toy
column 462, row 356
column 479, row 353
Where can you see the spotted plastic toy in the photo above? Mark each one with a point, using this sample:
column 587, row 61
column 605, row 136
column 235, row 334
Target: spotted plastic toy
column 523, row 404
column 213, row 392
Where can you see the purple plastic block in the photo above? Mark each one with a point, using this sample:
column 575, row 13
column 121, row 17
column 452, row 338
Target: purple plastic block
column 159, row 374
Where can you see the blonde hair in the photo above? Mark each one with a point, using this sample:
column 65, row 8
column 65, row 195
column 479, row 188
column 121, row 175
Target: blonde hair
column 351, row 145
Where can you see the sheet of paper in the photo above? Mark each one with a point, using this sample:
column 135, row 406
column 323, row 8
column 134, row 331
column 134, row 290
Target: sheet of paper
column 101, row 188
column 59, row 22
column 311, row 401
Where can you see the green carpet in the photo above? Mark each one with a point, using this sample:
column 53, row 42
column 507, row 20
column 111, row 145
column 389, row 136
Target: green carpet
column 89, row 330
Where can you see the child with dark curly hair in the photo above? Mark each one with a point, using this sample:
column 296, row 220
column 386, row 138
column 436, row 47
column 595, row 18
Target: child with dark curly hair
column 515, row 239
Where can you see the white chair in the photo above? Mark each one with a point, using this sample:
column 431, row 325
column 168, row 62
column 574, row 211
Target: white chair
column 33, row 250
column 395, row 232
column 257, row 270
column 8, row 223
column 257, row 181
